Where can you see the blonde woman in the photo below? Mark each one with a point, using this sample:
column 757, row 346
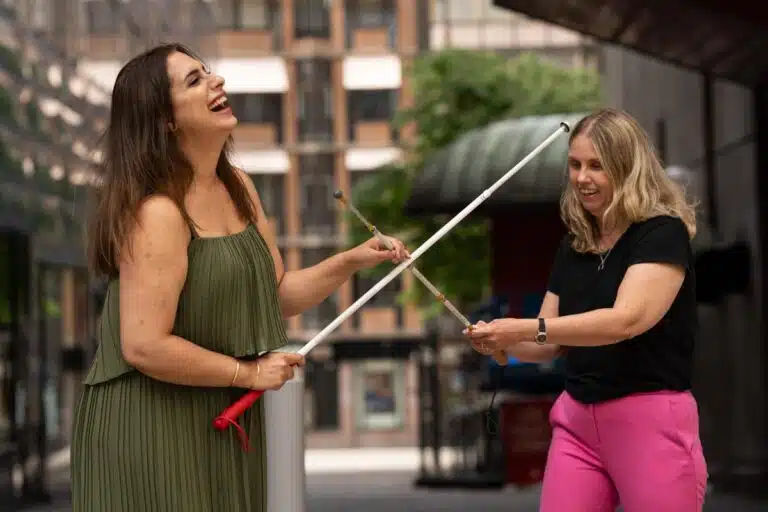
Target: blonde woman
column 621, row 308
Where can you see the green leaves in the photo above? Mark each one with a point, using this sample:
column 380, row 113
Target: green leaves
column 544, row 89
column 456, row 91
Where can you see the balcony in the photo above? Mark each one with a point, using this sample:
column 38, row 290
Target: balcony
column 370, row 112
column 103, row 36
column 318, row 207
column 248, row 27
column 260, row 119
column 36, row 125
column 315, row 101
column 457, row 25
column 381, row 314
column 372, row 133
column 371, row 25
column 311, row 19
column 271, row 189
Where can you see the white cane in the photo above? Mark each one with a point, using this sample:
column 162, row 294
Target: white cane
column 499, row 356
column 229, row 416
column 285, row 428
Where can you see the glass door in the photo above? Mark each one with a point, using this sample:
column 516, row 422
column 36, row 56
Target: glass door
column 14, row 301
column 6, row 352
column 50, row 331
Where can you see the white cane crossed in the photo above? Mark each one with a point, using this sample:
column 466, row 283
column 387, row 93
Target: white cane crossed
column 499, row 356
column 229, row 416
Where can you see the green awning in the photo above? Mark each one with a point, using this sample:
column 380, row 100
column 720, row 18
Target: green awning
column 460, row 172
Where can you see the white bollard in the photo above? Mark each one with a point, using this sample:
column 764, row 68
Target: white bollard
column 284, row 418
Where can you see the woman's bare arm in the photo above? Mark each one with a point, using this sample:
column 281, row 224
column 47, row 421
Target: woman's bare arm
column 151, row 279
column 530, row 352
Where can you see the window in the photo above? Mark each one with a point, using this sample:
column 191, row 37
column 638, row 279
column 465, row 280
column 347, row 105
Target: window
column 372, row 105
column 101, row 18
column 83, row 327
column 6, row 348
column 315, row 100
column 15, row 293
column 259, row 109
column 38, row 14
column 381, row 394
column 312, row 18
column 50, row 314
column 321, row 315
column 460, row 10
column 271, row 189
column 371, row 13
column 317, row 184
column 387, row 297
column 246, row 14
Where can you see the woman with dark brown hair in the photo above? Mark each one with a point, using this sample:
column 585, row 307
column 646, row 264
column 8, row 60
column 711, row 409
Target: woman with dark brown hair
column 194, row 310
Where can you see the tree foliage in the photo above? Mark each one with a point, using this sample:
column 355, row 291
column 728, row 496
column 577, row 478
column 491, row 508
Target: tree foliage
column 456, row 91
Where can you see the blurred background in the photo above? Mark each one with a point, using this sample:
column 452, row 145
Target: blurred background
column 412, row 108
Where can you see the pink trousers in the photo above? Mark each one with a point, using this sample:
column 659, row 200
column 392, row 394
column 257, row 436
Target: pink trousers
column 642, row 452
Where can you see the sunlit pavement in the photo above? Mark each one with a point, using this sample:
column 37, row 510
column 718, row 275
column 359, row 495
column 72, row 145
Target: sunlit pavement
column 385, row 492
column 387, row 485
column 374, row 492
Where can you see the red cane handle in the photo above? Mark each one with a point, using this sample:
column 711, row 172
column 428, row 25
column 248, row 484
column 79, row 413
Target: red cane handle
column 236, row 410
column 230, row 415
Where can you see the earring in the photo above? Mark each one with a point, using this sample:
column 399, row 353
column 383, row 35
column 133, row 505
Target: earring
column 172, row 126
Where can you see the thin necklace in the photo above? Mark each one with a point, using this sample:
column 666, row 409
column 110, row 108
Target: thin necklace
column 603, row 258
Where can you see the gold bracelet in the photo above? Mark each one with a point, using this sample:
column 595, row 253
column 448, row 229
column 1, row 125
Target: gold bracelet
column 237, row 371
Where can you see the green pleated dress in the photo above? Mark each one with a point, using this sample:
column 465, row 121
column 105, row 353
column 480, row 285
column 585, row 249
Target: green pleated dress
column 141, row 445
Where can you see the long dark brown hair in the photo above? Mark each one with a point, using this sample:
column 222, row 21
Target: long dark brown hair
column 142, row 157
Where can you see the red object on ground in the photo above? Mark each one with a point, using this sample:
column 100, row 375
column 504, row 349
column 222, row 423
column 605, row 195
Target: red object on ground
column 526, row 435
column 230, row 415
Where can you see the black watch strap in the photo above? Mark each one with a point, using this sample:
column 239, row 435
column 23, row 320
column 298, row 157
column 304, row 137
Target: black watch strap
column 541, row 335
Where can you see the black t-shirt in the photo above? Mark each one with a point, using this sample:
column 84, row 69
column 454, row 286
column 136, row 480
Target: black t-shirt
column 660, row 358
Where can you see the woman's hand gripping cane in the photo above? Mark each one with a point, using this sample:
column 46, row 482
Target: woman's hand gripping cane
column 499, row 356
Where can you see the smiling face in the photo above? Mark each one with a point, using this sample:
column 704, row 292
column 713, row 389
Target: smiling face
column 589, row 179
column 199, row 101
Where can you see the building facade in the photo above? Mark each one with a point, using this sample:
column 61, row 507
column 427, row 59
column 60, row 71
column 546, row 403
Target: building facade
column 484, row 26
column 49, row 115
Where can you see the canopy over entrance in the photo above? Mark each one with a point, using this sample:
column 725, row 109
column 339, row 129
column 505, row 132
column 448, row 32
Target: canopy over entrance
column 461, row 171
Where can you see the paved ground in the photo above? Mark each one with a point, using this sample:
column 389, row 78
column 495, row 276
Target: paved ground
column 375, row 492
column 337, row 481
column 384, row 492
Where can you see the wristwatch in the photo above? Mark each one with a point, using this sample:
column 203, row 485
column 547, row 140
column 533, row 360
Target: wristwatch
column 541, row 335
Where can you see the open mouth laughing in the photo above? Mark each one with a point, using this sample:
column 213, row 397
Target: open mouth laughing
column 219, row 104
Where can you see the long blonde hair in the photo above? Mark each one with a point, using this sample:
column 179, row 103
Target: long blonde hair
column 641, row 187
